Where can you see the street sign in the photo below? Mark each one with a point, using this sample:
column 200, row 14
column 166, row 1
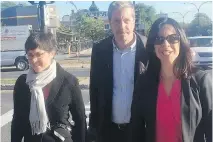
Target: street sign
column 51, row 17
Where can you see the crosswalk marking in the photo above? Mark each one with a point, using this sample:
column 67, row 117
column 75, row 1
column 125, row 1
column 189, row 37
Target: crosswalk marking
column 7, row 117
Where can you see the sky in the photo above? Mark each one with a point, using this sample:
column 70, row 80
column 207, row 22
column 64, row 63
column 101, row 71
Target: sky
column 64, row 8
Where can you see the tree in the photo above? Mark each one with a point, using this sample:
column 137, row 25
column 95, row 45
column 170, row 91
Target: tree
column 64, row 38
column 90, row 27
column 7, row 4
column 147, row 15
column 200, row 25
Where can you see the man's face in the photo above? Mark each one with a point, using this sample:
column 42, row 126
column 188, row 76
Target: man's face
column 122, row 24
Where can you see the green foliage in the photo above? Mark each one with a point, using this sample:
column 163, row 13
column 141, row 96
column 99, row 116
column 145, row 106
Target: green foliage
column 200, row 25
column 147, row 15
column 63, row 30
column 7, row 4
column 64, row 38
column 90, row 27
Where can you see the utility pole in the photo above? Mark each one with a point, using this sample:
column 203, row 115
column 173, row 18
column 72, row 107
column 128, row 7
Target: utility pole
column 79, row 32
column 41, row 5
column 41, row 9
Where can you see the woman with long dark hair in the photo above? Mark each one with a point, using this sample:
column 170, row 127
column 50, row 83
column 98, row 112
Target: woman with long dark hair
column 173, row 99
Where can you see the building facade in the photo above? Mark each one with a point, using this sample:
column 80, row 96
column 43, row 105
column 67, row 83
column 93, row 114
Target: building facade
column 19, row 15
column 29, row 15
column 69, row 21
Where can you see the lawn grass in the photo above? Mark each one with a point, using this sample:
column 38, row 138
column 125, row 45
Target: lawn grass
column 5, row 81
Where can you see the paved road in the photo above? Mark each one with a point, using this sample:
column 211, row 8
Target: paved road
column 13, row 73
column 79, row 72
column 7, row 111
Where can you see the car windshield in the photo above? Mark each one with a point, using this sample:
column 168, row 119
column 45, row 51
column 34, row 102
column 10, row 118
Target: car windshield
column 200, row 42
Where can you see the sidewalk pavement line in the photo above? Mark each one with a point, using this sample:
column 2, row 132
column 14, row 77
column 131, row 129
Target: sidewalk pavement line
column 6, row 91
column 6, row 118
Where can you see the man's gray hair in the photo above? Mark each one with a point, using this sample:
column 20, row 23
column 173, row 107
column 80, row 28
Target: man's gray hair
column 115, row 5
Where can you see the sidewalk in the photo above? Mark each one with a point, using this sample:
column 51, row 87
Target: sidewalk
column 74, row 61
column 83, row 61
column 86, row 52
column 74, row 64
column 83, row 53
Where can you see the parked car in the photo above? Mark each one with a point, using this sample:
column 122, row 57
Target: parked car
column 201, row 47
column 14, row 58
column 13, row 39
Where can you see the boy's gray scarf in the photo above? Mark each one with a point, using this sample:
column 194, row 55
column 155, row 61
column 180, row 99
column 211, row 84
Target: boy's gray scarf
column 38, row 116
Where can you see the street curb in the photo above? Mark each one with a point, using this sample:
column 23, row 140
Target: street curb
column 72, row 67
column 11, row 87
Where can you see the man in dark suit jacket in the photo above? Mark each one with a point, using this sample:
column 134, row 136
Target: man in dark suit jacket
column 116, row 63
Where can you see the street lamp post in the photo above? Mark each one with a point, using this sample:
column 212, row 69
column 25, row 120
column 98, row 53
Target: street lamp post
column 41, row 7
column 79, row 32
column 183, row 16
column 42, row 16
column 198, row 11
column 73, row 4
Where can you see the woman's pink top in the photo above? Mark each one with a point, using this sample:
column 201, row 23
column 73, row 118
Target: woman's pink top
column 168, row 114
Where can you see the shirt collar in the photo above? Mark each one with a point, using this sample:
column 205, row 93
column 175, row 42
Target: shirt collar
column 132, row 47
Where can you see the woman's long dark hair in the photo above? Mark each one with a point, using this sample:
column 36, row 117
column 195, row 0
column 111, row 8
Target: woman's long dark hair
column 183, row 63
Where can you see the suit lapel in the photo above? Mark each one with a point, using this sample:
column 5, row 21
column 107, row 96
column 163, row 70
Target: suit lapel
column 55, row 86
column 191, row 108
column 109, row 61
column 137, row 59
column 108, row 80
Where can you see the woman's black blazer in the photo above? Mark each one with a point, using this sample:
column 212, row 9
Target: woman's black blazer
column 65, row 96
